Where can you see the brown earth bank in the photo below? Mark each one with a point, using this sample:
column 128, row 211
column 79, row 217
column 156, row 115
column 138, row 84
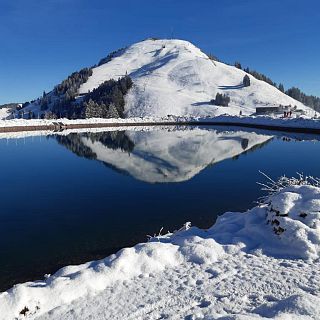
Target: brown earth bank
column 60, row 127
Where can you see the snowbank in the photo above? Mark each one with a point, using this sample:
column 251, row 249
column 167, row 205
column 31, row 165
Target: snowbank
column 243, row 267
column 301, row 122
column 45, row 122
column 288, row 226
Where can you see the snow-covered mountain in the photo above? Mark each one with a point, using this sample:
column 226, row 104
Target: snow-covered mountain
column 173, row 77
column 165, row 156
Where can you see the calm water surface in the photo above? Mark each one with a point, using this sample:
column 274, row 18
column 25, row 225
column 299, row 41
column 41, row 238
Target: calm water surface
column 67, row 199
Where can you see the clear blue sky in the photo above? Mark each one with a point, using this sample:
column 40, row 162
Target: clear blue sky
column 42, row 42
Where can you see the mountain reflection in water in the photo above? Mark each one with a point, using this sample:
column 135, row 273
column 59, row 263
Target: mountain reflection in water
column 162, row 156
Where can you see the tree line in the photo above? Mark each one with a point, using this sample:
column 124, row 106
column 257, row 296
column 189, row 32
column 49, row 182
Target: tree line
column 295, row 93
column 71, row 85
column 310, row 101
column 110, row 56
column 107, row 101
column 256, row 74
column 66, row 92
column 116, row 140
column 63, row 95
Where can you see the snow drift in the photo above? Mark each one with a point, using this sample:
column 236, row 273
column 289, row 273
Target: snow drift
column 288, row 226
column 241, row 268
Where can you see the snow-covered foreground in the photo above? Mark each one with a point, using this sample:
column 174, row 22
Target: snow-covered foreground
column 260, row 264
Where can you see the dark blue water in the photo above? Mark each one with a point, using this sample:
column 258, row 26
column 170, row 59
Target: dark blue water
column 69, row 199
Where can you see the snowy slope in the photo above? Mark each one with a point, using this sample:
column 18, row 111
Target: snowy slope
column 174, row 156
column 240, row 268
column 5, row 113
column 175, row 77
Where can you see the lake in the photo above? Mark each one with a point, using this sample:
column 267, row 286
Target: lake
column 70, row 198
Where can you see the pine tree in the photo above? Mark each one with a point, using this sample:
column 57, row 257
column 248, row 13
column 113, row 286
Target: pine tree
column 246, row 81
column 221, row 100
column 112, row 112
column 295, row 93
column 237, row 65
column 44, row 104
column 281, row 87
column 90, row 107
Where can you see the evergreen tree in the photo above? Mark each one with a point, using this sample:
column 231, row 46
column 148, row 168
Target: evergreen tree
column 107, row 101
column 221, row 100
column 237, row 65
column 112, row 112
column 295, row 93
column 44, row 104
column 246, row 81
column 91, row 109
column 281, row 87
column 244, row 143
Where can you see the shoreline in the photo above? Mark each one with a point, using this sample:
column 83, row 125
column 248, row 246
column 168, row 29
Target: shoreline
column 297, row 125
column 207, row 262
